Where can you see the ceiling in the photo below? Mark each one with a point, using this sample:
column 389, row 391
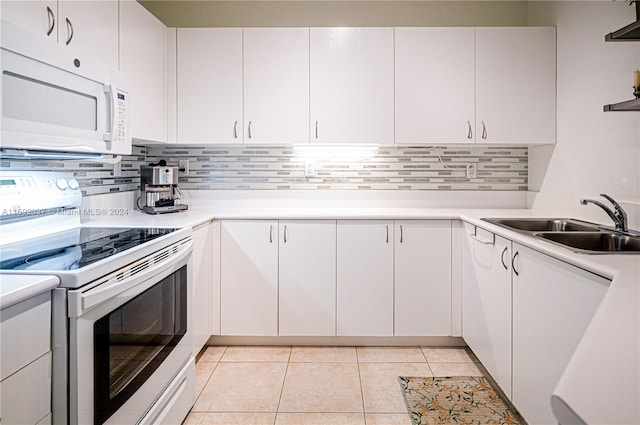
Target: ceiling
column 309, row 13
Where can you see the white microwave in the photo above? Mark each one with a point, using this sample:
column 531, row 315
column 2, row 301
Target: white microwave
column 55, row 101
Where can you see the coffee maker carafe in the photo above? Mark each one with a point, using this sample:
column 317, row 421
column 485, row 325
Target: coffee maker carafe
column 158, row 187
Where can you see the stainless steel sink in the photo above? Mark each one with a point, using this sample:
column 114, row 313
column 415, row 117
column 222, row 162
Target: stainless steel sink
column 544, row 224
column 577, row 235
column 589, row 242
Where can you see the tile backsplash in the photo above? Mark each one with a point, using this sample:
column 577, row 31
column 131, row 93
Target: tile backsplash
column 330, row 167
column 94, row 177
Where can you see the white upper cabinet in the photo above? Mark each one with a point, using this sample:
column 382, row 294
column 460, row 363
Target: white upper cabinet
column 143, row 45
column 276, row 85
column 352, row 85
column 39, row 17
column 516, row 85
column 209, row 88
column 89, row 27
column 434, row 85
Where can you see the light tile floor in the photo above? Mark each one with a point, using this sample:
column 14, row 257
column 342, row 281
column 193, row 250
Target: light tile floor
column 315, row 385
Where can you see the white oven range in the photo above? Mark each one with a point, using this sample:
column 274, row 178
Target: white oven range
column 121, row 332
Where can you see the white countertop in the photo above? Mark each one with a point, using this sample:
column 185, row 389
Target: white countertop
column 602, row 381
column 17, row 288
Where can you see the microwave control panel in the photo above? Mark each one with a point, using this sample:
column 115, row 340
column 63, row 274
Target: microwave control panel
column 122, row 116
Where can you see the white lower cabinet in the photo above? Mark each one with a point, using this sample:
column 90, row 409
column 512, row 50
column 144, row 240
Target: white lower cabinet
column 335, row 277
column 553, row 303
column 249, row 277
column 365, row 278
column 201, row 311
column 422, row 276
column 524, row 314
column 307, row 278
column 486, row 302
column 25, row 365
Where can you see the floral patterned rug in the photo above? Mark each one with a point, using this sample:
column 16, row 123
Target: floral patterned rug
column 468, row 400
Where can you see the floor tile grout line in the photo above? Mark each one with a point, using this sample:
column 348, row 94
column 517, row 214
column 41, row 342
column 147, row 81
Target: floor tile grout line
column 284, row 379
column 210, row 375
column 364, row 415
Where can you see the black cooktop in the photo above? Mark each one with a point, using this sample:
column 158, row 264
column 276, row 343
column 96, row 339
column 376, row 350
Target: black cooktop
column 75, row 248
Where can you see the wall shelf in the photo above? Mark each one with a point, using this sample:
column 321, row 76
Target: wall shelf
column 629, row 33
column 629, row 105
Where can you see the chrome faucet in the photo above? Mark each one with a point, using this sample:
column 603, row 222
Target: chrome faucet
column 619, row 216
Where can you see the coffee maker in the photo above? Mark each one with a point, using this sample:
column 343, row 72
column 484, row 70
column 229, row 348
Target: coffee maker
column 158, row 187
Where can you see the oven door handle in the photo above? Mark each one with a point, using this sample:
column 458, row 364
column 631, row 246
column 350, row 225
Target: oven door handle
column 84, row 299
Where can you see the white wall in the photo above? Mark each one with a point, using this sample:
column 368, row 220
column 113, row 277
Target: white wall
column 596, row 152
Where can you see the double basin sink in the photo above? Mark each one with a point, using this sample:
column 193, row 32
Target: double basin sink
column 579, row 236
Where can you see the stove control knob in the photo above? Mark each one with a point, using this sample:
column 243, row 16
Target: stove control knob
column 73, row 184
column 62, row 184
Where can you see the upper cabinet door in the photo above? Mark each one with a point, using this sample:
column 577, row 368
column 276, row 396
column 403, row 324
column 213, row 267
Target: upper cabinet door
column 143, row 44
column 276, row 85
column 516, row 85
column 352, row 85
column 209, row 89
column 435, row 85
column 39, row 17
column 90, row 27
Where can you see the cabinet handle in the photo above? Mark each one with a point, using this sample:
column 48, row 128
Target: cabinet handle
column 491, row 242
column 52, row 21
column 513, row 264
column 470, row 132
column 316, row 129
column 271, row 233
column 235, row 130
column 401, row 234
column 387, row 233
column 502, row 258
column 249, row 132
column 69, row 31
column 285, row 233
column 484, row 131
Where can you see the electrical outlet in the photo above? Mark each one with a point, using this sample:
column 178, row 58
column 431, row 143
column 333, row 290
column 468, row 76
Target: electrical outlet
column 309, row 169
column 471, row 171
column 183, row 164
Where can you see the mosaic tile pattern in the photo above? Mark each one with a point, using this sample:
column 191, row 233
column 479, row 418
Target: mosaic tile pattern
column 306, row 168
column 347, row 168
column 94, row 177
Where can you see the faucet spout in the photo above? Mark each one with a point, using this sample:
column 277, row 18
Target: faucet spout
column 618, row 215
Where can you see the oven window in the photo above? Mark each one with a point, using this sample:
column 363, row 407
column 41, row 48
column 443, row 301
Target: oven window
column 132, row 341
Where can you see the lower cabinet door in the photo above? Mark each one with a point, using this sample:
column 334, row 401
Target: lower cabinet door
column 249, row 277
column 486, row 302
column 307, row 271
column 365, row 277
column 201, row 304
column 422, row 278
column 553, row 303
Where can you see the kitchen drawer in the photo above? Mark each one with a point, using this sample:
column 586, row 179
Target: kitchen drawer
column 20, row 348
column 26, row 395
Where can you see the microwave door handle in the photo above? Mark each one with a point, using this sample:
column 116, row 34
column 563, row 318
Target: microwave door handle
column 111, row 94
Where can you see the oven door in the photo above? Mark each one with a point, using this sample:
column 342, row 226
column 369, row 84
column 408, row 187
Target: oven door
column 130, row 339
